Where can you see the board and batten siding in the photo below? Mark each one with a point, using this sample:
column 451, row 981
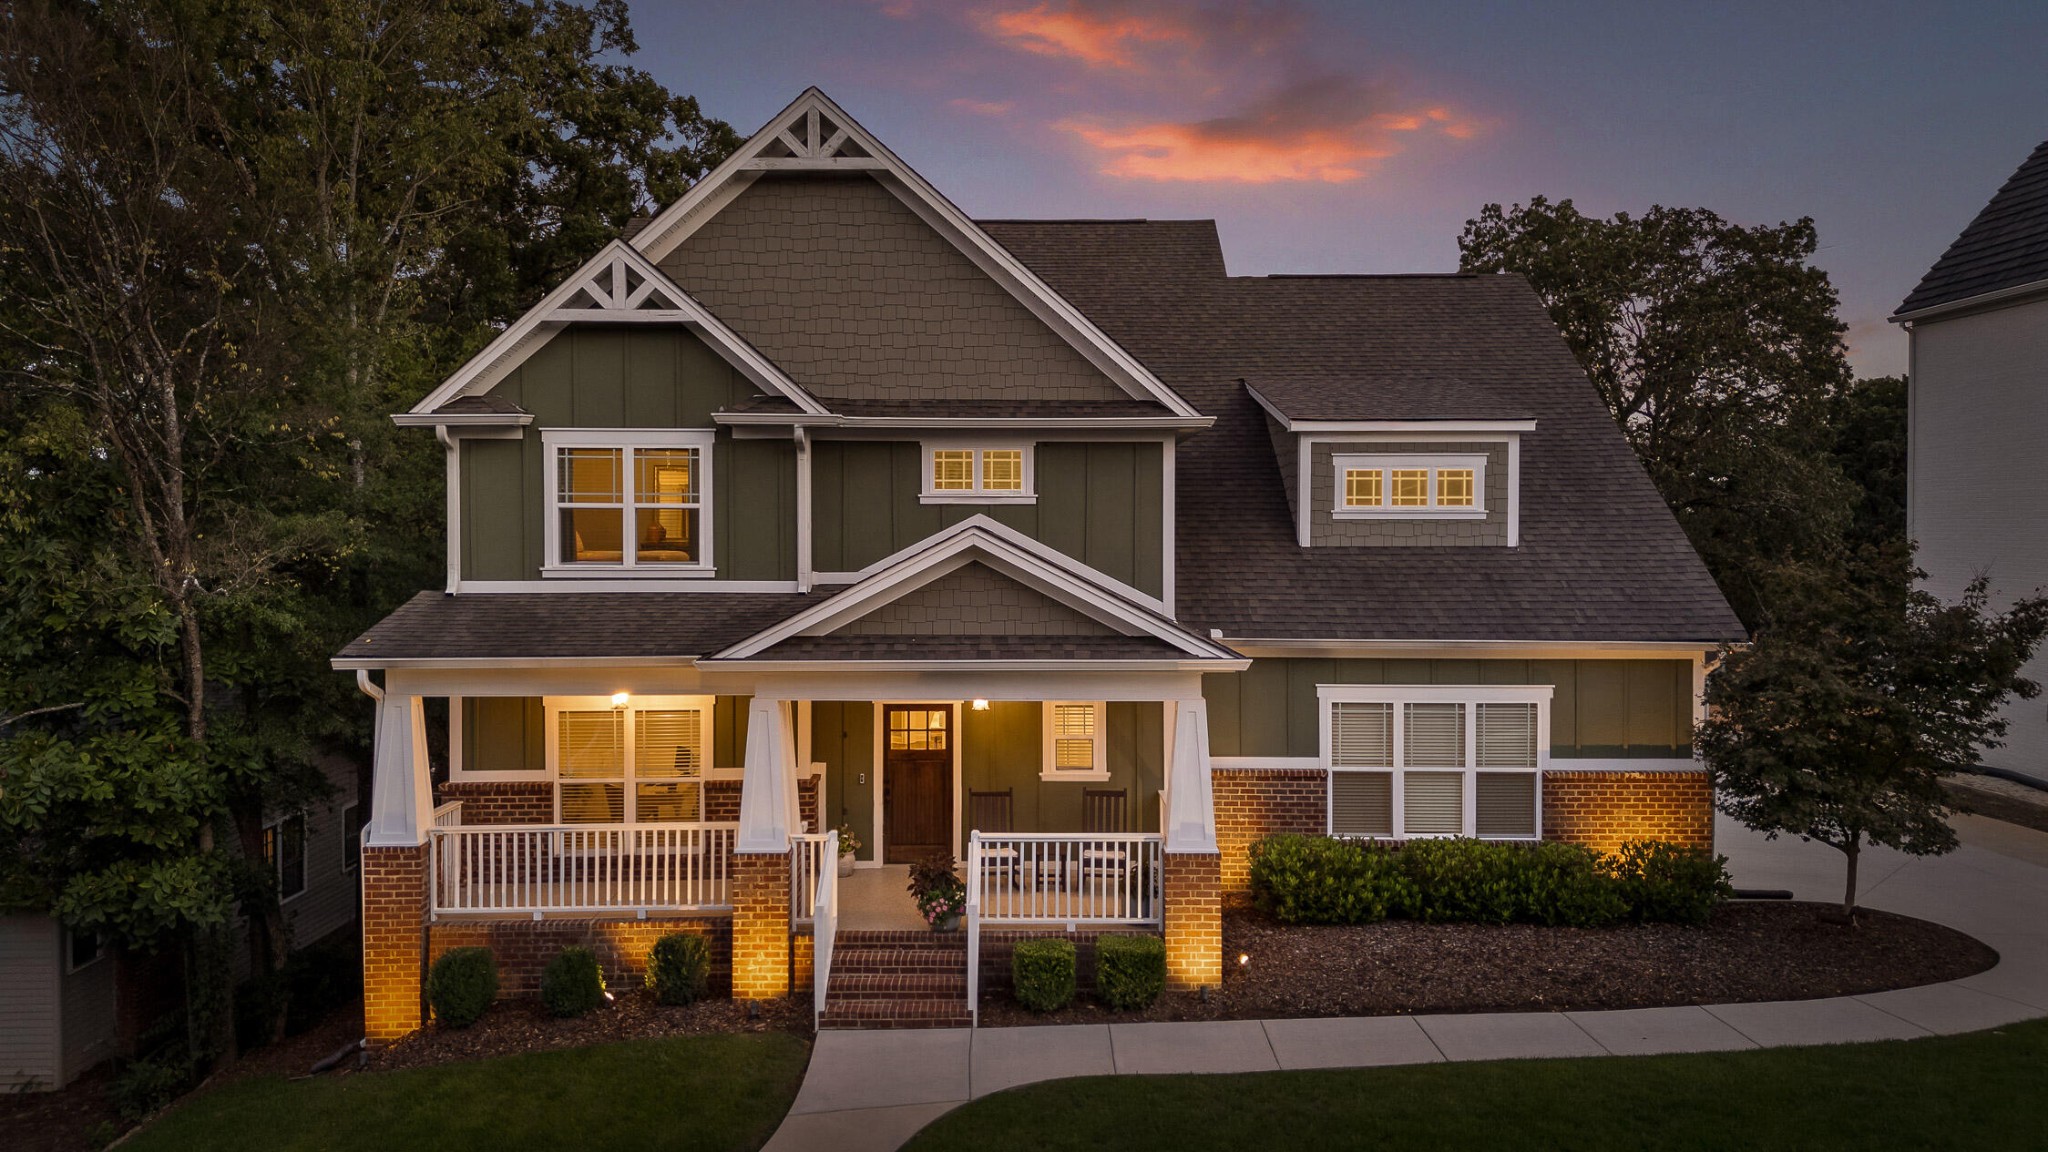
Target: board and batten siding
column 1098, row 502
column 1601, row 709
column 612, row 377
column 1978, row 412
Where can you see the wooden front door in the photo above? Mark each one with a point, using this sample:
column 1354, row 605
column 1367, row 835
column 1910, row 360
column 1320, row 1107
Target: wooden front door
column 917, row 781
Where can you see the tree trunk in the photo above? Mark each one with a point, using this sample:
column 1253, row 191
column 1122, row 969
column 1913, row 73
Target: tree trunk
column 1854, row 847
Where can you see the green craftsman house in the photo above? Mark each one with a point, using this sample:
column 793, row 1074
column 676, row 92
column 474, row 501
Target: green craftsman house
column 812, row 508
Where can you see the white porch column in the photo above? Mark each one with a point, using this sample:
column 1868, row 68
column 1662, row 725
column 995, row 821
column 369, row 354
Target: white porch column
column 1190, row 797
column 401, row 796
column 768, row 785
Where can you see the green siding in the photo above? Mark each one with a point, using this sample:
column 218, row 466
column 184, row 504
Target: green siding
column 729, row 731
column 1001, row 748
column 1601, row 708
column 599, row 377
column 1097, row 502
column 843, row 739
column 503, row 734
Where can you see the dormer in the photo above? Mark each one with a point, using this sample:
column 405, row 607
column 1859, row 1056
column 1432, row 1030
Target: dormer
column 1396, row 460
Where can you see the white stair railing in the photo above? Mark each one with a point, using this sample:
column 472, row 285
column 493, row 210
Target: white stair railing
column 824, row 927
column 808, row 859
column 973, row 918
column 518, row 869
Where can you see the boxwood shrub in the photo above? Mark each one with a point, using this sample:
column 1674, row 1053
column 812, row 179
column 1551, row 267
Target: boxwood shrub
column 1042, row 971
column 1130, row 971
column 572, row 983
column 679, row 967
column 1323, row 880
column 461, row 985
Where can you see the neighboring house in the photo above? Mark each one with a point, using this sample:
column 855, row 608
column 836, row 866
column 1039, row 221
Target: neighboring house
column 1978, row 410
column 814, row 502
column 63, row 993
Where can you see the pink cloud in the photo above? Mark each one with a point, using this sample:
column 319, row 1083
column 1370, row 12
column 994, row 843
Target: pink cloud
column 983, row 107
column 1099, row 38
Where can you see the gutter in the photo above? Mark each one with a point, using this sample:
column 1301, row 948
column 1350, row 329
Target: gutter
column 1980, row 300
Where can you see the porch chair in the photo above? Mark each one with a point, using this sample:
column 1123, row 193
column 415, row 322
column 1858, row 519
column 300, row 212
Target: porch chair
column 1105, row 811
column 993, row 812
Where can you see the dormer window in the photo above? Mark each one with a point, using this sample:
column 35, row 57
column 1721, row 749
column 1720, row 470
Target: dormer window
column 632, row 501
column 978, row 474
column 1425, row 486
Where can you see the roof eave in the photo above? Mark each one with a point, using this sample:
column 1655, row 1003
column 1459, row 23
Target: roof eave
column 2010, row 294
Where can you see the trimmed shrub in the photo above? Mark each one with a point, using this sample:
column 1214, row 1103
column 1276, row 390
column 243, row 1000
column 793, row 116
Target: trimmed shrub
column 679, row 967
column 1130, row 971
column 1321, row 880
column 1567, row 885
column 572, row 983
column 146, row 1086
column 1660, row 881
column 1042, row 972
column 461, row 985
column 1463, row 880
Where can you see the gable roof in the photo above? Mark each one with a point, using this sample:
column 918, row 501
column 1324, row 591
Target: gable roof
column 1601, row 558
column 990, row 585
column 814, row 135
column 2004, row 248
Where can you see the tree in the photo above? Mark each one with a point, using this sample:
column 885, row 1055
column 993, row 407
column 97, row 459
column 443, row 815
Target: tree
column 1837, row 726
column 1718, row 351
column 1869, row 425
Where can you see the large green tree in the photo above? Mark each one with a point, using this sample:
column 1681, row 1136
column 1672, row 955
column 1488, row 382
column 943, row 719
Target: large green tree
column 236, row 235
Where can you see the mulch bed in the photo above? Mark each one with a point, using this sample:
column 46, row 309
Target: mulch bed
column 1749, row 952
column 513, row 1026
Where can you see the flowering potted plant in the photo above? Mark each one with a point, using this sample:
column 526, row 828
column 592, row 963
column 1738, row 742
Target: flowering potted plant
column 849, row 847
column 939, row 893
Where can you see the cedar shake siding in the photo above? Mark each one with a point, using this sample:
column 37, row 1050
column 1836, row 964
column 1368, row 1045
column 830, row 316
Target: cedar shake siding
column 975, row 601
column 857, row 298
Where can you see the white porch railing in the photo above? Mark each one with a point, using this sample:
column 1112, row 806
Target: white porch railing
column 808, row 859
column 824, row 925
column 1057, row 878
column 448, row 815
column 515, row 869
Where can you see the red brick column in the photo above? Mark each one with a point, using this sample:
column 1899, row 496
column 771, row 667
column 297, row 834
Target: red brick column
column 1193, row 919
column 1605, row 809
column 760, row 925
column 394, row 940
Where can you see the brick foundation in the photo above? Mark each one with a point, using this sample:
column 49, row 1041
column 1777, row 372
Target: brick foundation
column 803, row 962
column 501, row 802
column 394, row 940
column 1253, row 803
column 523, row 948
column 1193, row 920
column 997, row 948
column 1604, row 809
column 760, row 925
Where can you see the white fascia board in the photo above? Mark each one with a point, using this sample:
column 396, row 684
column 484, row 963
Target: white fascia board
column 372, row 663
column 1282, row 648
column 1200, row 665
column 897, row 423
column 679, row 220
column 1426, row 427
column 1436, row 693
column 462, row 419
column 1980, row 300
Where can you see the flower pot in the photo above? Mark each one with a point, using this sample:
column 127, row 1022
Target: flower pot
column 846, row 863
column 947, row 923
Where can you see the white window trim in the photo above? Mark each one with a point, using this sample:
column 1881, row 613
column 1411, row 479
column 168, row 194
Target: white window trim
column 1048, row 771
column 930, row 495
column 347, row 868
column 1385, row 463
column 1468, row 695
column 459, row 771
column 552, row 708
column 554, row 439
column 305, row 855
column 71, row 963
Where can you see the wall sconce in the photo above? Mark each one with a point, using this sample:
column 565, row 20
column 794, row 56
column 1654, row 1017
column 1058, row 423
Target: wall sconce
column 619, row 699
column 981, row 705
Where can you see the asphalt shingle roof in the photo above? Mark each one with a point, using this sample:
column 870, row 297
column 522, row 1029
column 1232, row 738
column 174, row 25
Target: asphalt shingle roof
column 557, row 625
column 2004, row 247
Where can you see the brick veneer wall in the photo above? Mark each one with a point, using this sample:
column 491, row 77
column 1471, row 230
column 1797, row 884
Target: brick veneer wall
column 533, row 801
column 1603, row 809
column 803, row 961
column 760, row 925
column 394, row 939
column 1252, row 803
column 1193, row 919
column 524, row 947
column 997, row 948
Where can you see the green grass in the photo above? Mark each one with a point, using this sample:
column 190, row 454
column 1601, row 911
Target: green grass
column 1980, row 1091
column 690, row 1092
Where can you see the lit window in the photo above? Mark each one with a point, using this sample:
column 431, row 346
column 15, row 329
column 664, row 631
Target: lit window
column 918, row 729
column 1409, row 485
column 1362, row 487
column 1454, row 487
column 974, row 475
column 1074, row 741
column 1434, row 761
column 630, row 505
column 1411, row 488
column 638, row 764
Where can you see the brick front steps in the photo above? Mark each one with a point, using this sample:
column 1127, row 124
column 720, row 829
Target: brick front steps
column 897, row 980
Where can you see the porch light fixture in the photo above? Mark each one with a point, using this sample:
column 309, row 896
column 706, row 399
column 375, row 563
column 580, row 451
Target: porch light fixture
column 981, row 705
column 619, row 699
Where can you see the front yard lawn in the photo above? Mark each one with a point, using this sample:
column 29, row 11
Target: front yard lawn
column 689, row 1092
column 1977, row 1092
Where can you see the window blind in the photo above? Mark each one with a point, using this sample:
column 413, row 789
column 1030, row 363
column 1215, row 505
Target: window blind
column 591, row 743
column 1435, row 736
column 1433, row 803
column 1505, row 804
column 587, row 803
column 1362, row 803
column 1362, row 735
column 668, row 743
column 1506, row 735
column 1073, row 733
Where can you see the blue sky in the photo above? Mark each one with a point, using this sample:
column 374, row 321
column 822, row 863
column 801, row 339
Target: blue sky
column 1359, row 138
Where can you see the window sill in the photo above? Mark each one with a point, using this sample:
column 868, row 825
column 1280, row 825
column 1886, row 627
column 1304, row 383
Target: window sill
column 617, row 572
column 976, row 498
column 1417, row 514
column 1072, row 776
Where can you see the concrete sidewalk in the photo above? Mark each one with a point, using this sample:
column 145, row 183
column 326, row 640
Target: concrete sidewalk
column 874, row 1090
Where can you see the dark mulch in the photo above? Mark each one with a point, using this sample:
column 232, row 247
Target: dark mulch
column 1749, row 952
column 513, row 1026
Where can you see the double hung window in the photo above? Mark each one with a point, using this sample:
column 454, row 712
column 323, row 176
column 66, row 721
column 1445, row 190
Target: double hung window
column 638, row 763
column 996, row 473
column 1434, row 761
column 638, row 502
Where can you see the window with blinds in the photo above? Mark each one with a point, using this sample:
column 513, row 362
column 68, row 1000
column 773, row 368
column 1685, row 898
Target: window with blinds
column 620, row 765
column 1506, row 735
column 1505, row 804
column 1434, row 736
column 1421, row 761
column 1432, row 803
column 1074, row 741
column 1361, row 735
column 668, row 763
column 1362, row 803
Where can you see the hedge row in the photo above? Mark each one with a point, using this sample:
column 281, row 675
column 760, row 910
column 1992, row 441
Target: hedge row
column 1130, row 971
column 1324, row 880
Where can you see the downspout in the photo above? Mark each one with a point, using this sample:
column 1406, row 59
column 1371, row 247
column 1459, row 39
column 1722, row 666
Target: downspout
column 454, row 580
column 802, row 436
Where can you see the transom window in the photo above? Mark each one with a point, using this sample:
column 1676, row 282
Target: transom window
column 1447, row 486
column 1435, row 761
column 633, row 501
column 637, row 763
column 977, row 474
column 1074, row 741
column 918, row 729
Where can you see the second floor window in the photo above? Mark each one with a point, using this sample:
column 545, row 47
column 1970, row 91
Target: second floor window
column 993, row 474
column 1447, row 486
column 630, row 500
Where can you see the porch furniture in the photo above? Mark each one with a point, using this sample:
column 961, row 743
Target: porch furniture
column 1105, row 811
column 993, row 812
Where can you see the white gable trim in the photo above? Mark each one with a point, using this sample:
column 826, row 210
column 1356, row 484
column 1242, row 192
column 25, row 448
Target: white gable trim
column 797, row 129
column 979, row 539
column 605, row 280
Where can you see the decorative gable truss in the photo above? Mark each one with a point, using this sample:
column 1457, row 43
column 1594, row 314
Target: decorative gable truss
column 618, row 285
column 814, row 140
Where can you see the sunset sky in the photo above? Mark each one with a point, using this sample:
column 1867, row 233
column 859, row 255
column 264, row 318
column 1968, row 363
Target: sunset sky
column 1360, row 137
